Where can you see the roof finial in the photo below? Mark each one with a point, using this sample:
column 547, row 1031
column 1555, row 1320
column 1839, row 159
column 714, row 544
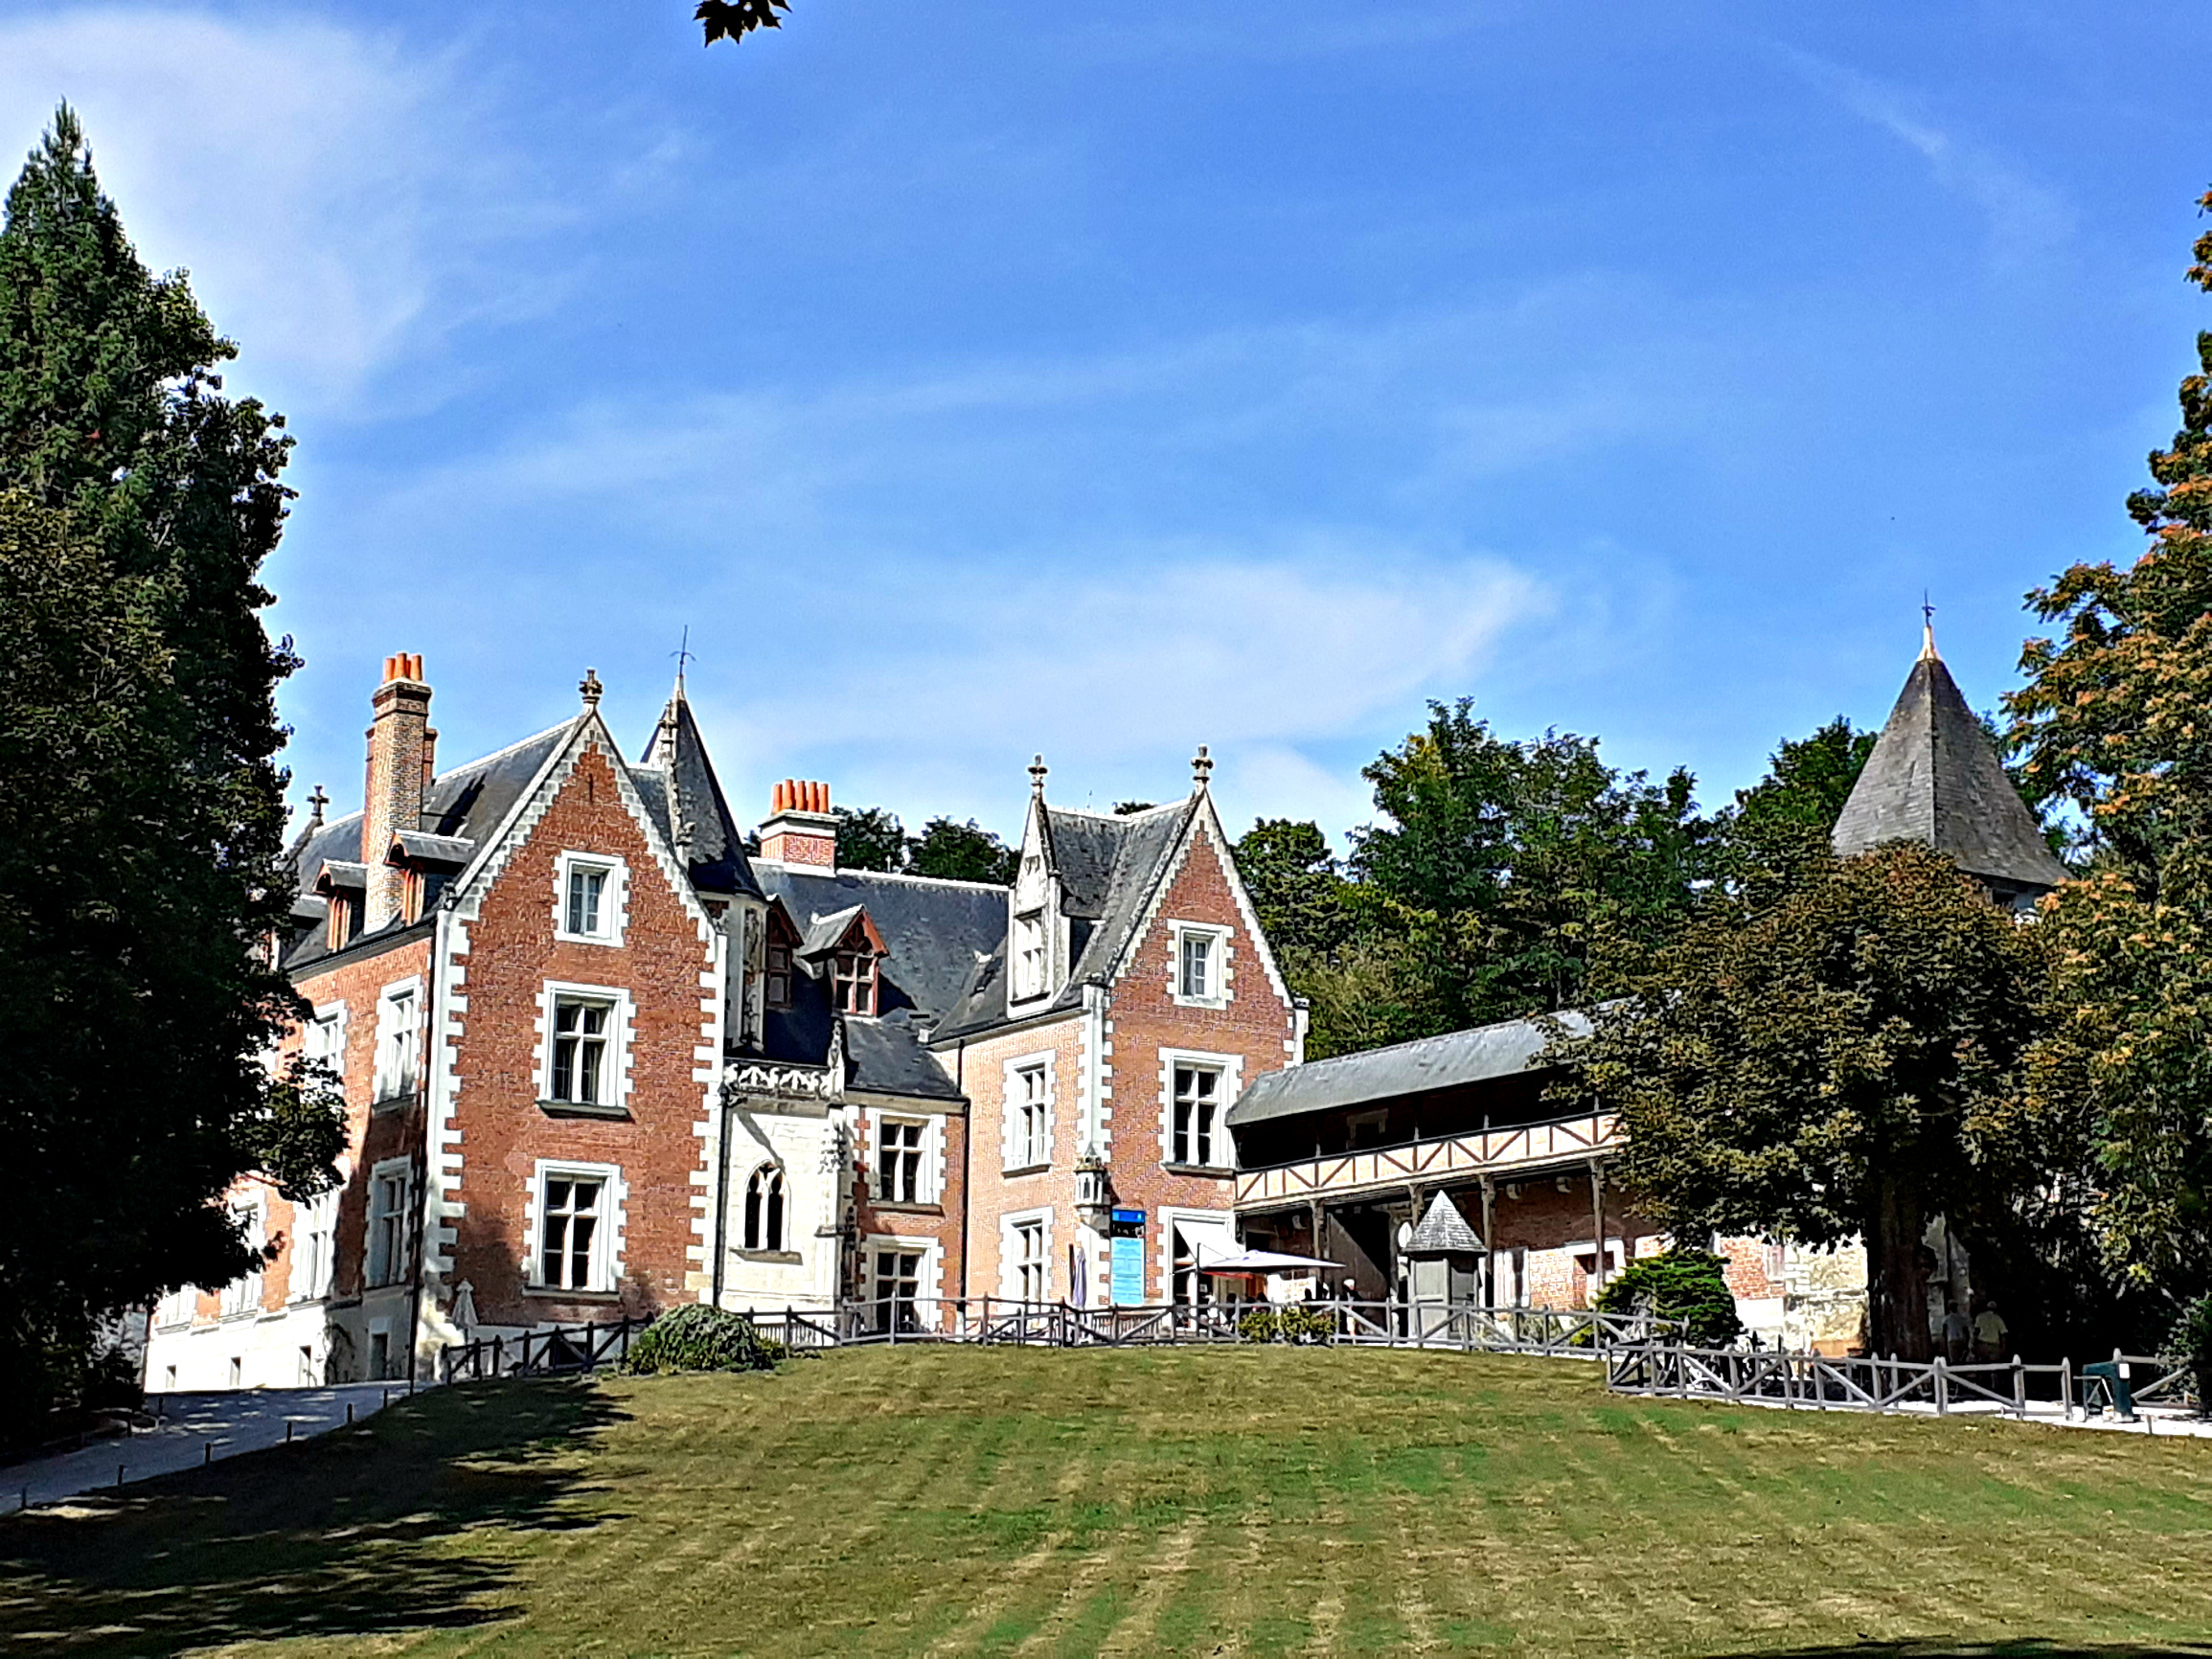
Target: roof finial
column 589, row 688
column 1037, row 772
column 1202, row 768
column 316, row 802
column 1928, row 651
column 683, row 655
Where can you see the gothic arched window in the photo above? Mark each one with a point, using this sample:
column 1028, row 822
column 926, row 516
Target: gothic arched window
column 764, row 1209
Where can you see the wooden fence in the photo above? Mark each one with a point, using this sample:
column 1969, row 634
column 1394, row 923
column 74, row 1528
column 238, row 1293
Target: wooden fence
column 2010, row 1387
column 1466, row 1327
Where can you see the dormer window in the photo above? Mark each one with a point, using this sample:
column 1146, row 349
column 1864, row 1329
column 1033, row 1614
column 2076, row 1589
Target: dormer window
column 855, row 981
column 1028, row 957
column 339, row 926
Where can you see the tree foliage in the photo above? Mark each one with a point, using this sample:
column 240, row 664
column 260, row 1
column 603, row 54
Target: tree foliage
column 1504, row 864
column 959, row 851
column 1684, row 1284
column 870, row 838
column 735, row 19
column 1846, row 1059
column 140, row 810
column 2116, row 719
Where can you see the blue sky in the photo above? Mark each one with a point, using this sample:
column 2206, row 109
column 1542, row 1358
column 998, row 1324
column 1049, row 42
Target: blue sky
column 979, row 379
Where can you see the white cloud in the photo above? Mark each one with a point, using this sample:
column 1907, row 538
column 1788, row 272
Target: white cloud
column 339, row 198
column 2023, row 216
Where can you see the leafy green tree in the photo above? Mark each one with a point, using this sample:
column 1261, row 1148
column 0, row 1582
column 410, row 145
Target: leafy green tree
column 1690, row 1286
column 141, row 806
column 2114, row 719
column 1845, row 1060
column 1809, row 779
column 870, row 838
column 1504, row 865
column 1296, row 887
column 959, row 851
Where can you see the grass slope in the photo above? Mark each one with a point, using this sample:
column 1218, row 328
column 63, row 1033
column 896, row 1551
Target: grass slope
column 1234, row 1501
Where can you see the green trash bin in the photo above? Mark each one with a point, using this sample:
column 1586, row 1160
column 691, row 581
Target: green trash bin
column 2107, row 1378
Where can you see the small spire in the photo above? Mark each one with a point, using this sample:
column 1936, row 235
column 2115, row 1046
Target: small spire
column 1928, row 651
column 1202, row 768
column 1037, row 772
column 589, row 688
column 683, row 655
column 316, row 802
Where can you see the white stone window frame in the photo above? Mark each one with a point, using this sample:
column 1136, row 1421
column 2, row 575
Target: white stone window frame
column 314, row 1246
column 387, row 1081
column 621, row 1031
column 607, row 1239
column 1015, row 1157
column 176, row 1308
column 928, row 1276
column 243, row 1296
column 330, row 1018
column 1029, row 957
column 614, row 901
column 1170, row 1214
column 1010, row 1258
column 1218, row 960
column 1232, row 1083
column 929, row 1188
column 403, row 1235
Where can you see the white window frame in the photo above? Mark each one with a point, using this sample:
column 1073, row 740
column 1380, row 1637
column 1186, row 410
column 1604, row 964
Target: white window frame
column 1232, row 1070
column 322, row 1037
column 615, row 1071
column 1217, row 992
column 781, row 1175
column 314, row 1246
column 606, row 1240
column 1011, row 1261
column 243, row 1295
column 398, row 1036
column 1017, row 1150
column 614, row 898
column 391, row 1271
column 1031, row 953
column 925, row 1150
column 178, row 1307
column 926, row 1276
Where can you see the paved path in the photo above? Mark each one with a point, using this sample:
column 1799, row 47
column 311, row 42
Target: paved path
column 192, row 1426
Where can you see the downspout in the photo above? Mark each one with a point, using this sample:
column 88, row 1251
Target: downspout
column 967, row 1156
column 721, row 1198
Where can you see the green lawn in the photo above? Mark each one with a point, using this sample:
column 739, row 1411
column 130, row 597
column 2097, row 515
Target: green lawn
column 1243, row 1501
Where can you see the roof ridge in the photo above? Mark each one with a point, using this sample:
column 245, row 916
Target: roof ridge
column 832, row 874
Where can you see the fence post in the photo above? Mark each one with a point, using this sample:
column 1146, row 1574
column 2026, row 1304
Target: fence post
column 2066, row 1387
column 2019, row 1386
column 1941, row 1387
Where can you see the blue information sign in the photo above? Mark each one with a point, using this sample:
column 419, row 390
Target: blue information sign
column 1129, row 1270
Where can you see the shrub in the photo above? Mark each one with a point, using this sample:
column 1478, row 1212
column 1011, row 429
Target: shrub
column 701, row 1338
column 1291, row 1324
column 2191, row 1341
column 1685, row 1285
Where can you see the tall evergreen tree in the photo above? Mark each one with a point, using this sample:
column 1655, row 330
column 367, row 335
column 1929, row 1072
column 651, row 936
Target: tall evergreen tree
column 141, row 806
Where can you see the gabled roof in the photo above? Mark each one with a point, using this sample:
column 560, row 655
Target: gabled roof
column 1935, row 778
column 1109, row 868
column 1480, row 1054
column 933, row 931
column 427, row 848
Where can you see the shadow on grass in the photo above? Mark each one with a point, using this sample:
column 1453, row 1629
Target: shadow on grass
column 2028, row 1647
column 350, row 1532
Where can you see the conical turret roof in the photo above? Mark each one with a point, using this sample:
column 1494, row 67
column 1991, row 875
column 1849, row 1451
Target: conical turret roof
column 1443, row 1231
column 1935, row 778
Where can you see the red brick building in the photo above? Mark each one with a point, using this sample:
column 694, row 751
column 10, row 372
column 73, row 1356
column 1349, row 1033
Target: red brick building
column 600, row 1059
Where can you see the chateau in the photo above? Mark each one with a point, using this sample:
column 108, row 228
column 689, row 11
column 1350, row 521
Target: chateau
column 601, row 1055
column 599, row 1059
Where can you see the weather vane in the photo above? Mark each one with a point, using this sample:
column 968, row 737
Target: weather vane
column 683, row 654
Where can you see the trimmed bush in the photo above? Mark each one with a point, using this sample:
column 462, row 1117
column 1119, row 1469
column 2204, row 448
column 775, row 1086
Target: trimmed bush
column 1680, row 1285
column 1291, row 1324
column 2191, row 1341
column 701, row 1338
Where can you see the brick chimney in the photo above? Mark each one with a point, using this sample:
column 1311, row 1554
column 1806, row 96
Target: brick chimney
column 400, row 750
column 801, row 828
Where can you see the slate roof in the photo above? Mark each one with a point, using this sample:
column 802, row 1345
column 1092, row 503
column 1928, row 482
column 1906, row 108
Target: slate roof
column 1934, row 777
column 1110, row 867
column 1439, row 1062
column 1443, row 1231
column 462, row 806
column 933, row 933
column 718, row 848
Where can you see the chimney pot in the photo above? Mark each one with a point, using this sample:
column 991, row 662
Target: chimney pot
column 799, row 829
